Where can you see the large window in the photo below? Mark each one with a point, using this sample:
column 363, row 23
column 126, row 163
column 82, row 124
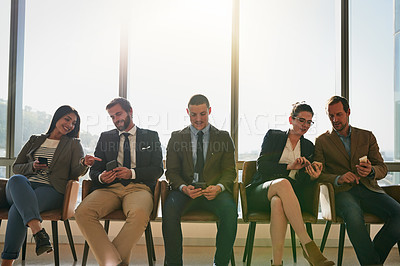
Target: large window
column 4, row 60
column 71, row 57
column 371, row 70
column 179, row 48
column 287, row 55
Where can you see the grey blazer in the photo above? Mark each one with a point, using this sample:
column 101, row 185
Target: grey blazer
column 65, row 164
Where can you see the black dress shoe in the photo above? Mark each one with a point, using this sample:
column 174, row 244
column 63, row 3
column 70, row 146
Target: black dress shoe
column 42, row 240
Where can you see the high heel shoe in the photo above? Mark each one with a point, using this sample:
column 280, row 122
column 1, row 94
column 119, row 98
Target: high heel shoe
column 314, row 255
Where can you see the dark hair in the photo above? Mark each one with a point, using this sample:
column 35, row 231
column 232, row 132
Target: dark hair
column 337, row 99
column 125, row 104
column 199, row 99
column 62, row 111
column 300, row 107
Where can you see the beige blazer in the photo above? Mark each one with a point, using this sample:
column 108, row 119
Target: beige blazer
column 330, row 150
column 219, row 166
column 65, row 164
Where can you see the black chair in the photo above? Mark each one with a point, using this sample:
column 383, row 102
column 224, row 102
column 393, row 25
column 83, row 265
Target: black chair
column 254, row 217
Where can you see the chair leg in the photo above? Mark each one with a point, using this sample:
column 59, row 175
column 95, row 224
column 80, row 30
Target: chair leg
column 70, row 239
column 341, row 243
column 106, row 225
column 325, row 236
column 85, row 254
column 252, row 230
column 309, row 230
column 147, row 234
column 151, row 242
column 247, row 244
column 293, row 237
column 55, row 243
column 24, row 245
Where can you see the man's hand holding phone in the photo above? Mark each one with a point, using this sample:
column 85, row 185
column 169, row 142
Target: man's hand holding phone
column 365, row 167
column 192, row 192
column 108, row 176
column 211, row 192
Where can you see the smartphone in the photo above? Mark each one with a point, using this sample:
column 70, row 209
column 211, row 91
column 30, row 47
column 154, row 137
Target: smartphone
column 43, row 160
column 201, row 185
column 111, row 165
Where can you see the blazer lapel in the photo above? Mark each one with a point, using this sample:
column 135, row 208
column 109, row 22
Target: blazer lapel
column 210, row 151
column 338, row 144
column 36, row 145
column 186, row 138
column 115, row 138
column 354, row 143
column 59, row 150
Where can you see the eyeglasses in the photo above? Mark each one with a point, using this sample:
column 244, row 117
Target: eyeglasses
column 302, row 120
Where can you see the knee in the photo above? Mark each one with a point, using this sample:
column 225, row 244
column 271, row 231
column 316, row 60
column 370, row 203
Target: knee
column 276, row 204
column 138, row 215
column 282, row 185
column 16, row 179
column 169, row 209
column 228, row 211
column 82, row 213
column 351, row 214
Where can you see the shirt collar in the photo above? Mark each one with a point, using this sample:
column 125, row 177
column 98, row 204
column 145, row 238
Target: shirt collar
column 348, row 136
column 132, row 131
column 195, row 131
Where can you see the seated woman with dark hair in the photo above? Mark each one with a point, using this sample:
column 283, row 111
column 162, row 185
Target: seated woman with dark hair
column 42, row 170
column 284, row 173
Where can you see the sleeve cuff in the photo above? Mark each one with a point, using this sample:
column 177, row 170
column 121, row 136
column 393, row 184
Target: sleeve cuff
column 372, row 174
column 222, row 187
column 133, row 174
column 336, row 181
column 180, row 187
column 101, row 182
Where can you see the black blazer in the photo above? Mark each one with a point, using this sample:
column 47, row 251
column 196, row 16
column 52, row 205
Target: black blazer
column 268, row 166
column 149, row 164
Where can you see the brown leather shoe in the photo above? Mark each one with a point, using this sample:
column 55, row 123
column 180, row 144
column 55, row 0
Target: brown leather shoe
column 314, row 255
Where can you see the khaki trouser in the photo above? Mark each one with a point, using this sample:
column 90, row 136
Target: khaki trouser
column 136, row 202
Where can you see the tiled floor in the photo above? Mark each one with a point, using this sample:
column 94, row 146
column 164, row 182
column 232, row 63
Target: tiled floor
column 196, row 256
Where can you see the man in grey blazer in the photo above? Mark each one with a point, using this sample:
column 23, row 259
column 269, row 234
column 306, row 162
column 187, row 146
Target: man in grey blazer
column 341, row 151
column 201, row 170
column 136, row 153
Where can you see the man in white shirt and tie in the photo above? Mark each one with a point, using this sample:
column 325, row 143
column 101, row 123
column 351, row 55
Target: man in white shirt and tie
column 136, row 158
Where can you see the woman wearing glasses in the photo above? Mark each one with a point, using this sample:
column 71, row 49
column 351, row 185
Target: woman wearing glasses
column 285, row 173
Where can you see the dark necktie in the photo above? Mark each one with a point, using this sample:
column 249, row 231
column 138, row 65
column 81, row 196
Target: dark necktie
column 200, row 156
column 127, row 157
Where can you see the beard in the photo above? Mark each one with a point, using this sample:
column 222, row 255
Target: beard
column 339, row 127
column 125, row 124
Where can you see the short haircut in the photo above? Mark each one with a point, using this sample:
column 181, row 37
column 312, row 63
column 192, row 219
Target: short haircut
column 337, row 99
column 199, row 99
column 62, row 111
column 300, row 107
column 125, row 104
